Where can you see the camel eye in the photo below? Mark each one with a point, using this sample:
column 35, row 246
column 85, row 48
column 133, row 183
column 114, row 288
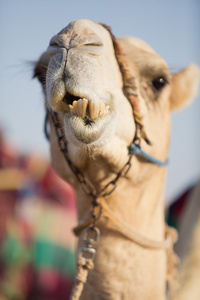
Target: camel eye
column 159, row 83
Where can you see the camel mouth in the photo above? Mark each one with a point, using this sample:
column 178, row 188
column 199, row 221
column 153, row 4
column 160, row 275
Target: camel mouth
column 85, row 109
column 69, row 98
column 86, row 119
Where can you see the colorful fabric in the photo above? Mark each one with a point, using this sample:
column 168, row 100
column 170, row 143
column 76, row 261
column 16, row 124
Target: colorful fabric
column 37, row 245
column 37, row 256
column 35, row 265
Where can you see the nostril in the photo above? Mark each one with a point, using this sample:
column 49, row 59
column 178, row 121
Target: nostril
column 55, row 48
column 97, row 44
column 54, row 44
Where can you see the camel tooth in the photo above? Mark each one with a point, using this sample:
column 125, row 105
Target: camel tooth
column 94, row 110
column 74, row 109
column 71, row 108
column 82, row 107
column 102, row 109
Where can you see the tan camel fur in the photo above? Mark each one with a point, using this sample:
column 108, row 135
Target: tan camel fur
column 98, row 130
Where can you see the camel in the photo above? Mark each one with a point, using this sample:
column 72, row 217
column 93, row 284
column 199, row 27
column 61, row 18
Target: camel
column 102, row 95
column 188, row 245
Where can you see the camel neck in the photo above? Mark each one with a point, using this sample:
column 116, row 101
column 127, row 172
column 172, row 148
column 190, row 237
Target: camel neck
column 138, row 204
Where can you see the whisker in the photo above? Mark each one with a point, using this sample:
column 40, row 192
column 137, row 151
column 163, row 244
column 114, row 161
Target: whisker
column 44, row 66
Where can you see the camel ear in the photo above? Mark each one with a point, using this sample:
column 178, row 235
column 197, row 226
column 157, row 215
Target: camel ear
column 184, row 86
column 40, row 69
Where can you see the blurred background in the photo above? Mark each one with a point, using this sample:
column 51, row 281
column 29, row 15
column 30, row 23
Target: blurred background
column 29, row 191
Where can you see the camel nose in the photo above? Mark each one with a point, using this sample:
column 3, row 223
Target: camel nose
column 83, row 44
column 58, row 47
column 54, row 50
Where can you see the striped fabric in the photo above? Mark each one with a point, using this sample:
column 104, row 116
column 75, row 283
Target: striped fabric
column 36, row 261
column 37, row 246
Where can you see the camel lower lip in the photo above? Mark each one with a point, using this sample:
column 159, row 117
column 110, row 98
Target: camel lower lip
column 85, row 130
column 88, row 121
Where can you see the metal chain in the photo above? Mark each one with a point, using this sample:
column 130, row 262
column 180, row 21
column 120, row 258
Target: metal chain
column 85, row 184
column 91, row 234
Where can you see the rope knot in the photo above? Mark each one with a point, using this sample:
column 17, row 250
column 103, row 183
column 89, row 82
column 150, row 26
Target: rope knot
column 85, row 263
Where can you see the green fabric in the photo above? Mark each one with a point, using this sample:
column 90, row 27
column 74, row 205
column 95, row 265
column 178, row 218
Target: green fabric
column 42, row 254
column 47, row 254
column 14, row 252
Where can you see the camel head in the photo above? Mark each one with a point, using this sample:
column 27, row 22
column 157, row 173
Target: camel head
column 83, row 79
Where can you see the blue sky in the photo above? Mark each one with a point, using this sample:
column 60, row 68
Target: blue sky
column 170, row 27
